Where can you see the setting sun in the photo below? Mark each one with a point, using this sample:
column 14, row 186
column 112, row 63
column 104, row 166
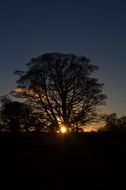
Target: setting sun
column 63, row 129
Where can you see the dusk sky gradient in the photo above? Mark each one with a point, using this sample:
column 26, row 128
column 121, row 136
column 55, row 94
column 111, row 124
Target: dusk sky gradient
column 93, row 28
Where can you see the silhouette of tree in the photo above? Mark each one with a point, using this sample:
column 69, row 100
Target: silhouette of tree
column 3, row 101
column 113, row 123
column 122, row 123
column 15, row 115
column 59, row 87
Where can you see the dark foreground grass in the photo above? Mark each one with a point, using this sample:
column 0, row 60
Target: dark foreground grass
column 75, row 161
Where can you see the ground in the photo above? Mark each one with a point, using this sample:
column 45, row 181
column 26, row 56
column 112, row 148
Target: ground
column 74, row 161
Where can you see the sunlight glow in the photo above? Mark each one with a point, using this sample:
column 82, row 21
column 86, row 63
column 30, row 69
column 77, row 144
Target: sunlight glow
column 63, row 129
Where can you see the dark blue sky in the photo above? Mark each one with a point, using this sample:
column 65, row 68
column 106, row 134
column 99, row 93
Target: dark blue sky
column 94, row 28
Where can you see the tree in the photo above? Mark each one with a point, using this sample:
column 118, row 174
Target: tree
column 15, row 115
column 122, row 123
column 59, row 87
column 4, row 100
column 114, row 124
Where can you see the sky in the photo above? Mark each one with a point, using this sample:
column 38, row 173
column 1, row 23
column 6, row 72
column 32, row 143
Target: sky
column 92, row 28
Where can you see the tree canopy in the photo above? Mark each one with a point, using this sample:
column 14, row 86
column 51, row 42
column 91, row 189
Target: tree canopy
column 14, row 116
column 114, row 123
column 60, row 89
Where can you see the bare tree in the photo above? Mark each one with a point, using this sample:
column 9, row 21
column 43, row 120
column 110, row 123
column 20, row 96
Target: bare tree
column 61, row 90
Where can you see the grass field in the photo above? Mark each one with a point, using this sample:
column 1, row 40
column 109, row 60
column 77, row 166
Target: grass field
column 74, row 161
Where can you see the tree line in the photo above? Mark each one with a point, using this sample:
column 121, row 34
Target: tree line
column 114, row 123
column 58, row 90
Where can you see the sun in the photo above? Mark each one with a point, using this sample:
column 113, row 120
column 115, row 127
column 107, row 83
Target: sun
column 63, row 129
